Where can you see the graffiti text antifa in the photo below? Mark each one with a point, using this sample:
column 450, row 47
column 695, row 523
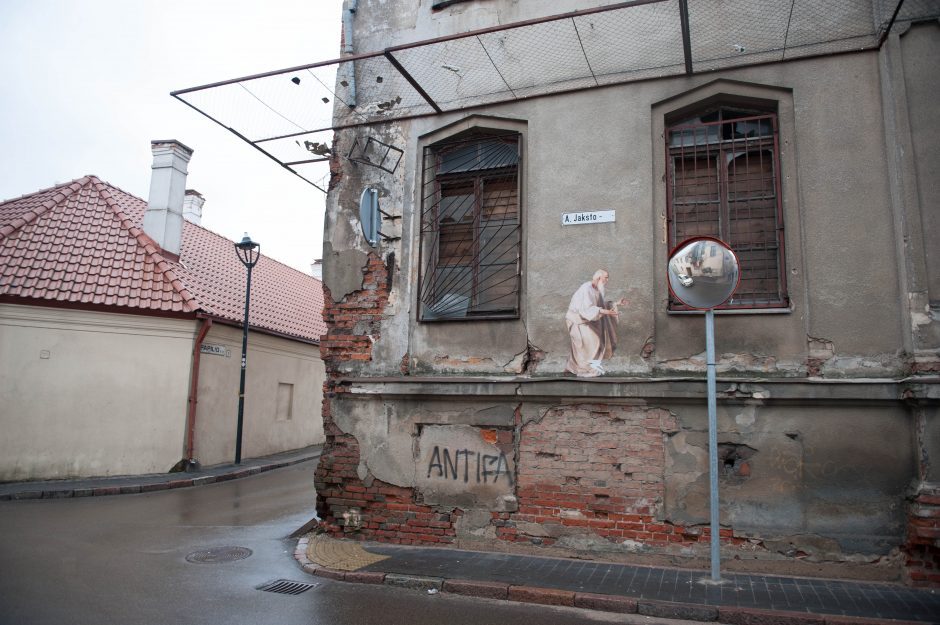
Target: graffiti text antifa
column 468, row 465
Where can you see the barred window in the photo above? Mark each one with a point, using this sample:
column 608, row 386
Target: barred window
column 471, row 228
column 724, row 182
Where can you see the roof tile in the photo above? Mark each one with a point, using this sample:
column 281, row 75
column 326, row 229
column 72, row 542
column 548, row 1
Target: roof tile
column 83, row 242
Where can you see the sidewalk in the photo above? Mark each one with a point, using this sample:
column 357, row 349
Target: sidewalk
column 127, row 484
column 662, row 592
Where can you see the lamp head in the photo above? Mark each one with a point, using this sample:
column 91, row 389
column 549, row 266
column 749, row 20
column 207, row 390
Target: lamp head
column 248, row 251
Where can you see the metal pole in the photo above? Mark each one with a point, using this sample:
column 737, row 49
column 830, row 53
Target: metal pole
column 241, row 384
column 712, row 443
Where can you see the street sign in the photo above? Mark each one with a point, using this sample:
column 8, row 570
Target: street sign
column 588, row 217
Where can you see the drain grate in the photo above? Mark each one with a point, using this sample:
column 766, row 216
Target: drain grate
column 215, row 555
column 286, row 587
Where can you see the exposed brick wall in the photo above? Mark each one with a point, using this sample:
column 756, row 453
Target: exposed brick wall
column 346, row 505
column 355, row 322
column 378, row 511
column 599, row 468
column 923, row 542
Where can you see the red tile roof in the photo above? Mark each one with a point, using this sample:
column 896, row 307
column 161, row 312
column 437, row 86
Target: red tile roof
column 81, row 243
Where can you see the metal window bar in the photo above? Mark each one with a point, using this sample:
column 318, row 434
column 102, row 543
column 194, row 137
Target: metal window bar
column 475, row 258
column 724, row 182
column 469, row 267
column 613, row 44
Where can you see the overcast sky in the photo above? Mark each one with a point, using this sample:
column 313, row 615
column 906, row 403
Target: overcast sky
column 85, row 88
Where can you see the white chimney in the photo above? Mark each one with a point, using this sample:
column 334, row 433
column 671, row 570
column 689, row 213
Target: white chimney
column 163, row 221
column 192, row 206
column 316, row 269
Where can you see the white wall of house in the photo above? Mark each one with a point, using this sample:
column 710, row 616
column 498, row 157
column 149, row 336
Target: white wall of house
column 90, row 393
column 283, row 396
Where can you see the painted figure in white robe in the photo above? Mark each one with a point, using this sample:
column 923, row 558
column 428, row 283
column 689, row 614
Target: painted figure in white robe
column 591, row 322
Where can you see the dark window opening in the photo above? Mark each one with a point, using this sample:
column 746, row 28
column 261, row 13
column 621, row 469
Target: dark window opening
column 724, row 182
column 471, row 228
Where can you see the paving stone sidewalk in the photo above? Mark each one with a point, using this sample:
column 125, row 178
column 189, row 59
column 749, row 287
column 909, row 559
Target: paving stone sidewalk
column 128, row 484
column 653, row 591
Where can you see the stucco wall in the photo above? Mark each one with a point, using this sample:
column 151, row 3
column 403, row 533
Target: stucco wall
column 90, row 394
column 844, row 294
column 822, row 427
column 271, row 361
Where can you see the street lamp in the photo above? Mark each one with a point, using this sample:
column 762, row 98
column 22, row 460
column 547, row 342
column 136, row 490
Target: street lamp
column 248, row 253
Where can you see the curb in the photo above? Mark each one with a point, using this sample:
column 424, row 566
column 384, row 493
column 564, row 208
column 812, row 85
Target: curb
column 605, row 603
column 128, row 489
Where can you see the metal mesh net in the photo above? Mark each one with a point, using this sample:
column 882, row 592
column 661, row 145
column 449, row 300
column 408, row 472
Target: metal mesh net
column 609, row 45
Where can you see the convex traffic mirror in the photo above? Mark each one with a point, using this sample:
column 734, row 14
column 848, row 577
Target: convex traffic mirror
column 703, row 272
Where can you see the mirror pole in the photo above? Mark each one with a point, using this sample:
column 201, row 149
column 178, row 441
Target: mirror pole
column 712, row 443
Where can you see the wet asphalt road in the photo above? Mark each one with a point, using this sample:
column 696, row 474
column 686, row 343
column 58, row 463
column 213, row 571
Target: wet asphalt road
column 122, row 560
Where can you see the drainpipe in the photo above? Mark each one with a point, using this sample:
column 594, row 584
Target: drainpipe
column 190, row 463
column 349, row 8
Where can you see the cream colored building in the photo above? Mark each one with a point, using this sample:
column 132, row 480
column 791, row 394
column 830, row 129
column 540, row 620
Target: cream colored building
column 120, row 352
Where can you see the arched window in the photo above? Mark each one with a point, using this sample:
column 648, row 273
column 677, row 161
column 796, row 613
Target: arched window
column 471, row 227
column 724, row 181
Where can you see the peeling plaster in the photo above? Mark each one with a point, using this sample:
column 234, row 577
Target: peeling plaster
column 820, row 348
column 526, row 361
column 746, row 418
column 342, row 270
column 734, row 363
column 446, row 360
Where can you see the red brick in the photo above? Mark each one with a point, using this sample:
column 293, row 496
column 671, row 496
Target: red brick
column 470, row 588
column 752, row 616
column 365, row 577
column 860, row 620
column 330, row 573
column 667, row 609
column 544, row 596
column 606, row 603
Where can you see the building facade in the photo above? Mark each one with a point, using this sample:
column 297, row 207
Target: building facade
column 121, row 335
column 474, row 399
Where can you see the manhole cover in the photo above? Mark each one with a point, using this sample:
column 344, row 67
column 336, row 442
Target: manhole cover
column 286, row 587
column 214, row 555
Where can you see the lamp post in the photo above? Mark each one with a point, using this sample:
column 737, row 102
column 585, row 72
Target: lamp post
column 248, row 253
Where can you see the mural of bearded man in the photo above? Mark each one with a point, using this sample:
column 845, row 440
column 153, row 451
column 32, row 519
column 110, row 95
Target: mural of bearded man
column 591, row 322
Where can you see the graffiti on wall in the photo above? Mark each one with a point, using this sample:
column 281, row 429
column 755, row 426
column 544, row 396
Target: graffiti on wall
column 463, row 464
column 468, row 465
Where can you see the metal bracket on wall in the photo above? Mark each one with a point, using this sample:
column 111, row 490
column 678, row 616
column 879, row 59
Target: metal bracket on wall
column 369, row 217
column 376, row 154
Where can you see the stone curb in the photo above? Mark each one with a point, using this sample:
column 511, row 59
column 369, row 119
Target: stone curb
column 604, row 603
column 127, row 489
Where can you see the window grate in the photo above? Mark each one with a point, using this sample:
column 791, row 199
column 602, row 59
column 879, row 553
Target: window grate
column 724, row 182
column 471, row 228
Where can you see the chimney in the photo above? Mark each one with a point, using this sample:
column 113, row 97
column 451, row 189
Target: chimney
column 192, row 206
column 316, row 269
column 163, row 221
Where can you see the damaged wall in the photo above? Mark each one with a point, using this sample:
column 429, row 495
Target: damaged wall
column 623, row 481
column 470, row 433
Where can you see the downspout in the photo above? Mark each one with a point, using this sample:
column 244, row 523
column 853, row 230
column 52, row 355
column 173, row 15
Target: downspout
column 349, row 9
column 190, row 463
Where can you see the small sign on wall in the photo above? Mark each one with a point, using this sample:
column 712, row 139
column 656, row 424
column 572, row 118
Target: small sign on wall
column 216, row 350
column 587, row 217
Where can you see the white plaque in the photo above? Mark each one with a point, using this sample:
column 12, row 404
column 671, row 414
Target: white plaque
column 217, row 350
column 587, row 217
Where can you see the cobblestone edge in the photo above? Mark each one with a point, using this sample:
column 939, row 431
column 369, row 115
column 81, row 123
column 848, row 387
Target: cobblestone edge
column 127, row 489
column 606, row 603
